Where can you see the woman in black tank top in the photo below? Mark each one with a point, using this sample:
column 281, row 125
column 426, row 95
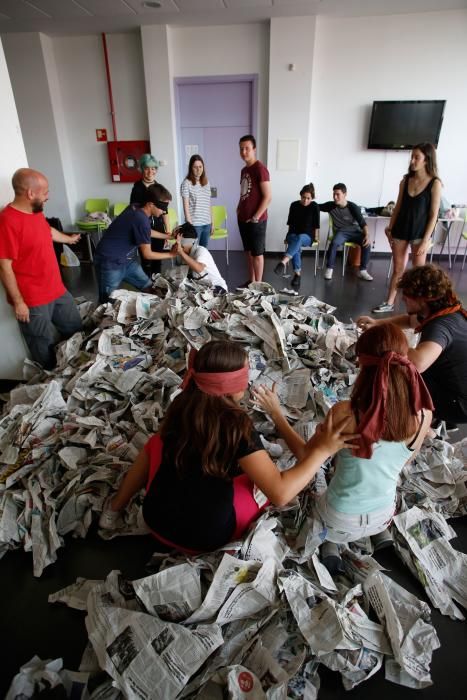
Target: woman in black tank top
column 414, row 217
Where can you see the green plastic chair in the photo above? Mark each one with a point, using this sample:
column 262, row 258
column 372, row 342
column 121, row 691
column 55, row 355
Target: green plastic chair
column 173, row 218
column 219, row 220
column 117, row 208
column 314, row 246
column 91, row 206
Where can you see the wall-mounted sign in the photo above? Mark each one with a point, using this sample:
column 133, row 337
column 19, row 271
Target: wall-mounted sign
column 101, row 134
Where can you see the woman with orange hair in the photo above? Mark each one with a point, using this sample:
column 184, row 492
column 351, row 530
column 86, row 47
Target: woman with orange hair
column 390, row 409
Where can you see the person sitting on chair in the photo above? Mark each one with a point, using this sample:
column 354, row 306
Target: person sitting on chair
column 303, row 223
column 349, row 226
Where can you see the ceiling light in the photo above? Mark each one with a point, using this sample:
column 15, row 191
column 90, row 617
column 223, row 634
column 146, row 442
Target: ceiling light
column 152, row 4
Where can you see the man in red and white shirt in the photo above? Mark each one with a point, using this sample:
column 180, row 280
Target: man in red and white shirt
column 255, row 197
column 29, row 270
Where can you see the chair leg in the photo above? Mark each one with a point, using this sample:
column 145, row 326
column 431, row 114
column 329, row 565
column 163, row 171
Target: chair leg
column 227, row 249
column 344, row 258
column 463, row 261
column 324, row 257
column 316, row 258
column 389, row 269
column 459, row 242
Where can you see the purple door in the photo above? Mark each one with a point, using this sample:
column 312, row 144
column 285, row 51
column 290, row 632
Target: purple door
column 213, row 115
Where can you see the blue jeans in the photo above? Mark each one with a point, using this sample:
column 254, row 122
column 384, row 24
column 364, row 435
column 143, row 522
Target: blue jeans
column 110, row 278
column 295, row 241
column 203, row 231
column 339, row 239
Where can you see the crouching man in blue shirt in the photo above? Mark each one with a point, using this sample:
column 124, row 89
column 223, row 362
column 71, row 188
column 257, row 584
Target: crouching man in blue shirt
column 117, row 257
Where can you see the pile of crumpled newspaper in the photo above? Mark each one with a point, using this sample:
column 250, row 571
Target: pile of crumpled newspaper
column 257, row 618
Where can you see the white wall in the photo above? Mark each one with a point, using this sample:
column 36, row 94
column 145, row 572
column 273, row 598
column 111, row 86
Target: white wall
column 33, row 91
column 358, row 60
column 13, row 157
column 346, row 63
column 289, row 114
column 83, row 87
column 156, row 43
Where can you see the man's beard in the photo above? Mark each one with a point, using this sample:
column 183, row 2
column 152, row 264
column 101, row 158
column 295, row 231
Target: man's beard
column 37, row 206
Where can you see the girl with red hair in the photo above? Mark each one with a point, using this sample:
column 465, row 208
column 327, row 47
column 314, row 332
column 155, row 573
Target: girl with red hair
column 390, row 408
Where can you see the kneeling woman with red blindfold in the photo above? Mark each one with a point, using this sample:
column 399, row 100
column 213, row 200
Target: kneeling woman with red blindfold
column 201, row 469
column 390, row 409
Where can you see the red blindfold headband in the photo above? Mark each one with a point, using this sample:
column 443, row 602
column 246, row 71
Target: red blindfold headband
column 215, row 383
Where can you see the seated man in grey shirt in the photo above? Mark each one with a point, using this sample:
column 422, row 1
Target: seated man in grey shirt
column 348, row 225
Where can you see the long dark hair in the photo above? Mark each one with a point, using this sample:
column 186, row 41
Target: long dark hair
column 190, row 176
column 400, row 422
column 429, row 151
column 205, row 425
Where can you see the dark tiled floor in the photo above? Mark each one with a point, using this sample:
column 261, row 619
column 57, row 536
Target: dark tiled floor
column 31, row 626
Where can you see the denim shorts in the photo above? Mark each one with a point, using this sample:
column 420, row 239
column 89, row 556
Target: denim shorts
column 348, row 527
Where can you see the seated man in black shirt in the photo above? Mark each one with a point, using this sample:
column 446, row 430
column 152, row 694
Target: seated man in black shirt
column 434, row 311
column 348, row 225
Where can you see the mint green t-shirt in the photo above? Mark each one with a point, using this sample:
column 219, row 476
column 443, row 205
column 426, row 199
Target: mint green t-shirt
column 364, row 485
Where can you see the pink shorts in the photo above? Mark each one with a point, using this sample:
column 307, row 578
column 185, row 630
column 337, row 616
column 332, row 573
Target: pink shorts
column 245, row 507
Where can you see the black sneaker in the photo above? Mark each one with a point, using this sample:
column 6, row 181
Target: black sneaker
column 384, row 308
column 382, row 540
column 296, row 281
column 331, row 558
column 281, row 269
column 244, row 285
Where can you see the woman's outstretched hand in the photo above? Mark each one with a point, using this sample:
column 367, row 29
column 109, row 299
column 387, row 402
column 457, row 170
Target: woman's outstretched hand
column 332, row 435
column 267, row 399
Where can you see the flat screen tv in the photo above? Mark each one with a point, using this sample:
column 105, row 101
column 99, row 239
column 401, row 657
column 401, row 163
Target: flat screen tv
column 399, row 125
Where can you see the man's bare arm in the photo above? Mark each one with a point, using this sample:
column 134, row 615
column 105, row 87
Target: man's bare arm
column 424, row 354
column 148, row 254
column 8, row 279
column 59, row 237
column 266, row 193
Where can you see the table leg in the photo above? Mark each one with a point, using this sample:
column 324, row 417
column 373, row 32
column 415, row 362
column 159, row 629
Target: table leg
column 449, row 242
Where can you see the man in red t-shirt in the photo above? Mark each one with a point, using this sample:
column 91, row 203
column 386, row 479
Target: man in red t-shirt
column 255, row 196
column 29, row 270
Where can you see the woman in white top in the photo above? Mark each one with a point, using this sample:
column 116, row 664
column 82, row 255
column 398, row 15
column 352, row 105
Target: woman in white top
column 196, row 195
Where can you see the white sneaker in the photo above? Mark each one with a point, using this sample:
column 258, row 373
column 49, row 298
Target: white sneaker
column 110, row 519
column 328, row 273
column 365, row 275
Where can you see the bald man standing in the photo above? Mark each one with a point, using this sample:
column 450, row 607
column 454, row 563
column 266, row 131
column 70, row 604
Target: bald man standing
column 29, row 270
